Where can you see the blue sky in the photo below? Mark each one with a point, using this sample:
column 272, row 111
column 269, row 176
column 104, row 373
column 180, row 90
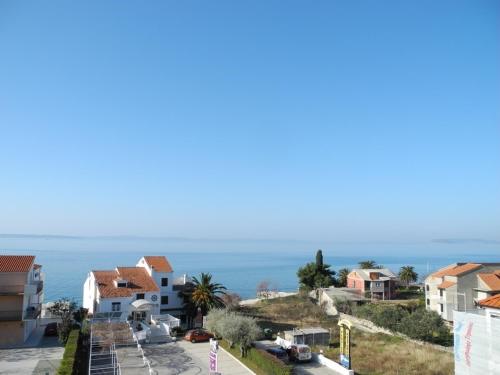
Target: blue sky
column 324, row 121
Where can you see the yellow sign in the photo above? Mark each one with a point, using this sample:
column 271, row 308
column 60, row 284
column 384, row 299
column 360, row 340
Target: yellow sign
column 345, row 343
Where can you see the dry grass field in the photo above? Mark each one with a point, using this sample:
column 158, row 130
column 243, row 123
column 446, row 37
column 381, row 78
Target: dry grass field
column 372, row 354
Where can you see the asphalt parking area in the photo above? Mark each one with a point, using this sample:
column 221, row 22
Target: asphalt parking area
column 185, row 358
column 42, row 359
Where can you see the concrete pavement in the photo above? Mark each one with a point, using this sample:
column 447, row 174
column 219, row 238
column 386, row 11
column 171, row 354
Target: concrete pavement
column 42, row 359
column 185, row 358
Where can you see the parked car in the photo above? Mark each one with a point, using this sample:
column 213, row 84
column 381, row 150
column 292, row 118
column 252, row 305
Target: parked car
column 198, row 335
column 300, row 353
column 51, row 329
column 277, row 352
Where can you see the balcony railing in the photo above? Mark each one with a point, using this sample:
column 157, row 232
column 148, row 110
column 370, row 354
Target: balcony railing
column 11, row 315
column 33, row 311
column 11, row 289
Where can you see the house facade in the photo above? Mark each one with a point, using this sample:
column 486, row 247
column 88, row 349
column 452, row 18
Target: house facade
column 374, row 283
column 461, row 286
column 21, row 298
column 135, row 293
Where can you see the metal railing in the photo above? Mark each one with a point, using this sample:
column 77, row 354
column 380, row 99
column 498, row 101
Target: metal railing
column 33, row 311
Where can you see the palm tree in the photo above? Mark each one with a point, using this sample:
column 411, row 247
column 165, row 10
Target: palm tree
column 366, row 264
column 407, row 274
column 343, row 272
column 204, row 294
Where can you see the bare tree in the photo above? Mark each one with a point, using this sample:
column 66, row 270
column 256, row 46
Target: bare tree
column 264, row 289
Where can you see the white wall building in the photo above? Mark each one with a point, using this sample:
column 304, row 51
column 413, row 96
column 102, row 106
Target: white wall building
column 477, row 339
column 135, row 293
column 459, row 287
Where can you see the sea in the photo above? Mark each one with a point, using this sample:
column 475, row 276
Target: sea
column 240, row 265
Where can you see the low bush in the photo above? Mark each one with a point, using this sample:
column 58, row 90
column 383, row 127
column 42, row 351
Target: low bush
column 413, row 320
column 426, row 326
column 268, row 363
column 66, row 366
column 177, row 332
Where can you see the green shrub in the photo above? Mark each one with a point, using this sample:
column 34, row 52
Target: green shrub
column 426, row 326
column 66, row 367
column 268, row 363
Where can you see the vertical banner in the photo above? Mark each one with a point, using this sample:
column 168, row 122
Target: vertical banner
column 345, row 343
column 214, row 348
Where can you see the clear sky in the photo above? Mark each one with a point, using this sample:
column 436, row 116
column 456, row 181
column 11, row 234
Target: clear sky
column 324, row 120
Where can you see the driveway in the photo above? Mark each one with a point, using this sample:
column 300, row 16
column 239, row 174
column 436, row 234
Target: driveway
column 185, row 358
column 310, row 368
column 40, row 360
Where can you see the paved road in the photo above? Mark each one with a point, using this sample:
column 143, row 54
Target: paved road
column 43, row 359
column 185, row 358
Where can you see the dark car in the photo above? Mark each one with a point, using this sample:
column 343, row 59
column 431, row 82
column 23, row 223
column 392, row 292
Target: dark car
column 198, row 335
column 277, row 352
column 51, row 329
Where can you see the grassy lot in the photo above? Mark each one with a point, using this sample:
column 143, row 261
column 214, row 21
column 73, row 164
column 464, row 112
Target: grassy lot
column 372, row 354
column 380, row 354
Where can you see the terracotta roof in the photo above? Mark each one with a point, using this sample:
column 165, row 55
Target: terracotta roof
column 159, row 263
column 16, row 263
column 493, row 301
column 446, row 284
column 138, row 281
column 456, row 269
column 492, row 280
column 36, row 266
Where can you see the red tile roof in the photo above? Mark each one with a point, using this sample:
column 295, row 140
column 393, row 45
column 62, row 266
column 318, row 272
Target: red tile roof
column 36, row 266
column 159, row 263
column 446, row 284
column 16, row 263
column 456, row 269
column 492, row 280
column 138, row 281
column 493, row 301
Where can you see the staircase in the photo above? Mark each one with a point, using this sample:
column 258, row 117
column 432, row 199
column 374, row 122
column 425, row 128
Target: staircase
column 158, row 335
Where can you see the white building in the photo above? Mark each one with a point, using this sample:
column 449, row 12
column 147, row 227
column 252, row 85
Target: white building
column 135, row 293
column 477, row 339
column 460, row 286
column 21, row 298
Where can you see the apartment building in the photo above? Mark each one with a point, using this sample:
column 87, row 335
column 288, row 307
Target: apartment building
column 376, row 283
column 21, row 298
column 460, row 286
column 135, row 293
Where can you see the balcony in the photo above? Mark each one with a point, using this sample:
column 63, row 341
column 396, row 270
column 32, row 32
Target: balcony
column 33, row 311
column 11, row 290
column 13, row 315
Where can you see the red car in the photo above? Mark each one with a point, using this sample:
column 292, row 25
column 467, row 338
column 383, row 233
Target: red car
column 51, row 329
column 198, row 335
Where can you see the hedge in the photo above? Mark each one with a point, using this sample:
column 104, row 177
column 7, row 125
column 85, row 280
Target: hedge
column 268, row 363
column 66, row 366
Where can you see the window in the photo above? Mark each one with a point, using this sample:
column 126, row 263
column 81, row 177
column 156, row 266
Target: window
column 427, row 287
column 164, row 281
column 116, row 306
column 164, row 300
column 121, row 284
column 440, row 292
column 428, row 301
column 442, row 308
column 140, row 296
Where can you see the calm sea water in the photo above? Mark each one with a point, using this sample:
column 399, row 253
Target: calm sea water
column 238, row 266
